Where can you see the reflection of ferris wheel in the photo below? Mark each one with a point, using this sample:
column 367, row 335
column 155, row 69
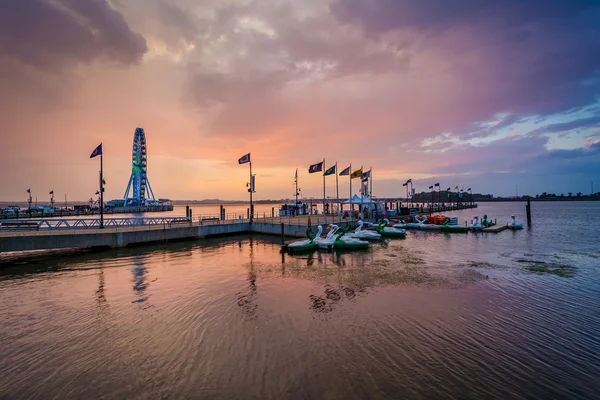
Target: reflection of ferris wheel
column 139, row 186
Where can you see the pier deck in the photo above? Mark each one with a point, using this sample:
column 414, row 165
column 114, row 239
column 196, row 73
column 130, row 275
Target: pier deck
column 58, row 236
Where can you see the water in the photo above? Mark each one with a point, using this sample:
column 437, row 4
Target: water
column 508, row 315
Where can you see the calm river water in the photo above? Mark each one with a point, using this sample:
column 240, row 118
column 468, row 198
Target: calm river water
column 475, row 316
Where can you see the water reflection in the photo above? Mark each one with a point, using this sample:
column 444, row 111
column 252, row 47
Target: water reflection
column 247, row 300
column 140, row 283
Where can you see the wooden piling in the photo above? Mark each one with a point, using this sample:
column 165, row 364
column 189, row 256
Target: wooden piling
column 282, row 233
column 528, row 210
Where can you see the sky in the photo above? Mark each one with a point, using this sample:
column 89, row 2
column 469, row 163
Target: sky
column 497, row 96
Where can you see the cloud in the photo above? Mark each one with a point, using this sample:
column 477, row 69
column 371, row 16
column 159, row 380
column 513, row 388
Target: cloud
column 582, row 123
column 54, row 34
column 529, row 59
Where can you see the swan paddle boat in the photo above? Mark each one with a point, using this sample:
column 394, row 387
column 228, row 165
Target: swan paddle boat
column 420, row 220
column 300, row 246
column 476, row 225
column 361, row 234
column 345, row 242
column 451, row 226
column 327, row 242
column 513, row 224
column 485, row 223
column 389, row 230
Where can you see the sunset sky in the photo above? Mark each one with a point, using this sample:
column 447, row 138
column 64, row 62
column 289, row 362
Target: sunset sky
column 481, row 94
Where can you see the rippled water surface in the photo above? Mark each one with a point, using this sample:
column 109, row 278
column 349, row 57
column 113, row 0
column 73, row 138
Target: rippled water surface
column 508, row 315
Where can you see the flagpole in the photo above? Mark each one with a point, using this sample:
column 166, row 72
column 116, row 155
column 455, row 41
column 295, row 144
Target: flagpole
column 350, row 198
column 337, row 191
column 362, row 194
column 371, row 179
column 101, row 191
column 324, row 213
column 251, row 190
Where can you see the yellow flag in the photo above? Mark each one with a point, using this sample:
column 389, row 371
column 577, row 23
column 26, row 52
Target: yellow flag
column 456, row 187
column 356, row 174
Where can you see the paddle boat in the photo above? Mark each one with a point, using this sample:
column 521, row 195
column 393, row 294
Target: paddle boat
column 512, row 224
column 451, row 226
column 485, row 223
column 361, row 234
column 327, row 242
column 300, row 246
column 420, row 220
column 476, row 225
column 345, row 242
column 389, row 230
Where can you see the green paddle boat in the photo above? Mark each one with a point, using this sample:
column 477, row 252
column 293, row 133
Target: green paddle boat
column 305, row 245
column 389, row 231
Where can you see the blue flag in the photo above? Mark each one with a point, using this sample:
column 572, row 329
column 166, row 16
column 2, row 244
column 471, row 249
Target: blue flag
column 244, row 159
column 329, row 171
column 345, row 172
column 437, row 184
column 97, row 151
column 315, row 168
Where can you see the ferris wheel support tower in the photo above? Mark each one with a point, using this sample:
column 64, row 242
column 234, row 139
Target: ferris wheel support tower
column 139, row 192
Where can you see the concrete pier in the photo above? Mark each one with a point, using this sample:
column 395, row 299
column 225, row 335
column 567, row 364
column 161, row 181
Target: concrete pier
column 84, row 238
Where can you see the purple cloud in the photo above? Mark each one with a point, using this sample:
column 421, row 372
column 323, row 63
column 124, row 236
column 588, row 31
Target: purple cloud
column 53, row 34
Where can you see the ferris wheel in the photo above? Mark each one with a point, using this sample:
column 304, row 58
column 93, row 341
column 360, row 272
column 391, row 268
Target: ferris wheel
column 139, row 191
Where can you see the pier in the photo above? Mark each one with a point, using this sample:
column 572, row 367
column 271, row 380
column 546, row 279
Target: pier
column 46, row 234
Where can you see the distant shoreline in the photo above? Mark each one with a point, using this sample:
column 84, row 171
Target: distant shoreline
column 216, row 202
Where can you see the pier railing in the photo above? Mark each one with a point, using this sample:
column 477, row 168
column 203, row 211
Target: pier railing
column 136, row 223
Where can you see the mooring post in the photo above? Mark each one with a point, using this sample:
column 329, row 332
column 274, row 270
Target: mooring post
column 528, row 209
column 187, row 211
column 282, row 233
column 190, row 217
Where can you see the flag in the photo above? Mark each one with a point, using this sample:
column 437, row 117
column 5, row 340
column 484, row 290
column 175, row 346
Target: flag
column 97, row 192
column 456, row 187
column 97, row 151
column 437, row 184
column 461, row 190
column 409, row 181
column 431, row 187
column 244, row 159
column 366, row 175
column 448, row 189
column 329, row 171
column 405, row 184
column 469, row 189
column 51, row 192
column 356, row 174
column 315, row 168
column 345, row 172
column 28, row 190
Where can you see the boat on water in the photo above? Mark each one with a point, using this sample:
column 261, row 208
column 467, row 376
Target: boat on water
column 419, row 221
column 345, row 242
column 389, row 230
column 305, row 245
column 476, row 225
column 361, row 234
column 512, row 224
column 454, row 229
column 327, row 242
